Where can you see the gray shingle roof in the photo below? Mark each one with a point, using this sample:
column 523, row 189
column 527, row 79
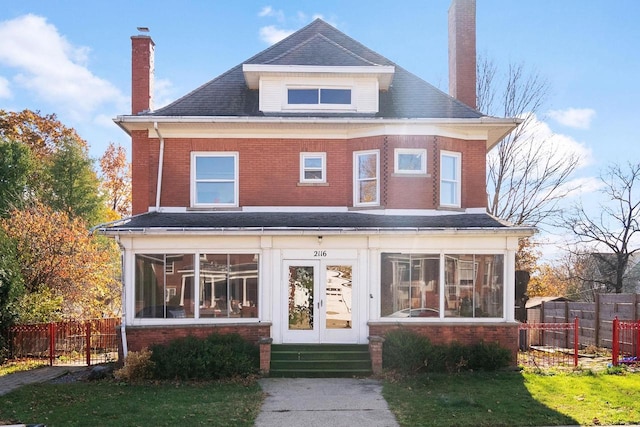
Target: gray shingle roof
column 305, row 220
column 318, row 44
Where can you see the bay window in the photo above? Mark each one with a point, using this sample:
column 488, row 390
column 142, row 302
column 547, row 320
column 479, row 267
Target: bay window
column 366, row 166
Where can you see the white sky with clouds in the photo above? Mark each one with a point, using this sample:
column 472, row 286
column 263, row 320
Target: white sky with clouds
column 72, row 57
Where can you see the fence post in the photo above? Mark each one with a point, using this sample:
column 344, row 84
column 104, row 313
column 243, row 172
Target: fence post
column 575, row 341
column 52, row 342
column 88, row 341
column 615, row 344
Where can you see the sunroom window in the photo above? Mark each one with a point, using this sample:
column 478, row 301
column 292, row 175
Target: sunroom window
column 411, row 285
column 227, row 286
column 214, row 179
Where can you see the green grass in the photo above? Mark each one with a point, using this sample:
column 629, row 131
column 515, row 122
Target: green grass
column 514, row 399
column 108, row 403
column 27, row 365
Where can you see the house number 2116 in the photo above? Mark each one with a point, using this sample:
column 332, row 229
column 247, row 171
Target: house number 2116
column 318, row 254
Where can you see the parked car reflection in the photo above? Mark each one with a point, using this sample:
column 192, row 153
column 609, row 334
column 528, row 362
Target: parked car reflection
column 416, row 312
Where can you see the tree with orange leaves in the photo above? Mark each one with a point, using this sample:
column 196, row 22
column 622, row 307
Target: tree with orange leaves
column 55, row 252
column 116, row 181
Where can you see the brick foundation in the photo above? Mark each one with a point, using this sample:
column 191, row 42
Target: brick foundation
column 505, row 334
column 141, row 337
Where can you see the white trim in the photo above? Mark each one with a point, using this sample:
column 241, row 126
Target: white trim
column 236, row 165
column 356, row 178
column 486, row 128
column 323, row 167
column 457, row 180
column 422, row 152
column 254, row 72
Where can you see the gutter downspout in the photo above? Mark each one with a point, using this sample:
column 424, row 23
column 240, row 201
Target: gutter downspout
column 160, row 163
column 123, row 322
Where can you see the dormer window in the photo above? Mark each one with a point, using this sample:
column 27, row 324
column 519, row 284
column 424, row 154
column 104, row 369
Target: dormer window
column 318, row 96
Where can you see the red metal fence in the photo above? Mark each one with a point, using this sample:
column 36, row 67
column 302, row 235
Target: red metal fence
column 548, row 344
column 626, row 342
column 74, row 342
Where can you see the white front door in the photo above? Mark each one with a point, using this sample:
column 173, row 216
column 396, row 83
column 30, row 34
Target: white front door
column 320, row 302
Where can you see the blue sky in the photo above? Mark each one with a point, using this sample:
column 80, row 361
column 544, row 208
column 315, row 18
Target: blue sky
column 72, row 58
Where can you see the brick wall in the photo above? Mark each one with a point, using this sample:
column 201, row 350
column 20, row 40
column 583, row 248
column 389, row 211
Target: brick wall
column 141, row 337
column 269, row 171
column 505, row 334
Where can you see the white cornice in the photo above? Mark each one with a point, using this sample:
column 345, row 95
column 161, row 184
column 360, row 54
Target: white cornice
column 253, row 72
column 484, row 128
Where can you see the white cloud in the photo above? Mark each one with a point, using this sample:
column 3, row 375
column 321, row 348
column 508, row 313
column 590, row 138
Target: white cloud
column 271, row 34
column 162, row 93
column 271, row 12
column 52, row 68
column 579, row 118
column 5, row 90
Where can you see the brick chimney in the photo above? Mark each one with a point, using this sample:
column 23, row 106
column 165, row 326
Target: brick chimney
column 141, row 74
column 462, row 51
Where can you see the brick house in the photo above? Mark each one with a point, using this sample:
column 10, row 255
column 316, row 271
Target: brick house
column 316, row 193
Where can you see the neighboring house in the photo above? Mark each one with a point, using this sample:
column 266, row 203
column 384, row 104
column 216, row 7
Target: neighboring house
column 316, row 193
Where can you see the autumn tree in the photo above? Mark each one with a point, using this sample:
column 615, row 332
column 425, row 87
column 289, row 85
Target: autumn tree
column 42, row 134
column 73, row 184
column 610, row 236
column 116, row 180
column 56, row 254
column 16, row 165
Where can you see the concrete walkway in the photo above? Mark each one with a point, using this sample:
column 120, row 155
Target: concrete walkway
column 331, row 402
column 11, row 382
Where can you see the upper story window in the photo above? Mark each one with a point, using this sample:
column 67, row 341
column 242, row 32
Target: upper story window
column 214, row 179
column 450, row 179
column 314, row 96
column 410, row 161
column 366, row 180
column 313, row 167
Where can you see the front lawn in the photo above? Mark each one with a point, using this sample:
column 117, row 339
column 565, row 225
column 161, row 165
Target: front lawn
column 514, row 399
column 108, row 403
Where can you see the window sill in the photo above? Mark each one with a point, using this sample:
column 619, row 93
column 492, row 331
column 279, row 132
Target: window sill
column 313, row 184
column 212, row 208
column 411, row 175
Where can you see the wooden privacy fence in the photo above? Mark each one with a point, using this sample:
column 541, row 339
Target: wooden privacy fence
column 626, row 342
column 73, row 342
column 596, row 318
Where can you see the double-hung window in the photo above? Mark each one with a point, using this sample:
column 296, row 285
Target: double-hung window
column 450, row 177
column 214, row 179
column 313, row 168
column 410, row 161
column 366, row 171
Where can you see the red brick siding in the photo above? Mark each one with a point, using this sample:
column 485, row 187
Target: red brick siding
column 141, row 73
column 474, row 190
column 269, row 171
column 505, row 334
column 141, row 337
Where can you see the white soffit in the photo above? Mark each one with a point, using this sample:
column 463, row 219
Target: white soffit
column 253, row 72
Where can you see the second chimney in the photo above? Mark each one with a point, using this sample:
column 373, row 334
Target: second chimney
column 462, row 51
column 142, row 48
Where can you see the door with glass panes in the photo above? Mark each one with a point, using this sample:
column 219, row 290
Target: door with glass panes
column 319, row 302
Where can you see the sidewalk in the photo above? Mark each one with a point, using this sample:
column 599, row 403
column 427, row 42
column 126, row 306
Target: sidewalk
column 311, row 402
column 11, row 382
